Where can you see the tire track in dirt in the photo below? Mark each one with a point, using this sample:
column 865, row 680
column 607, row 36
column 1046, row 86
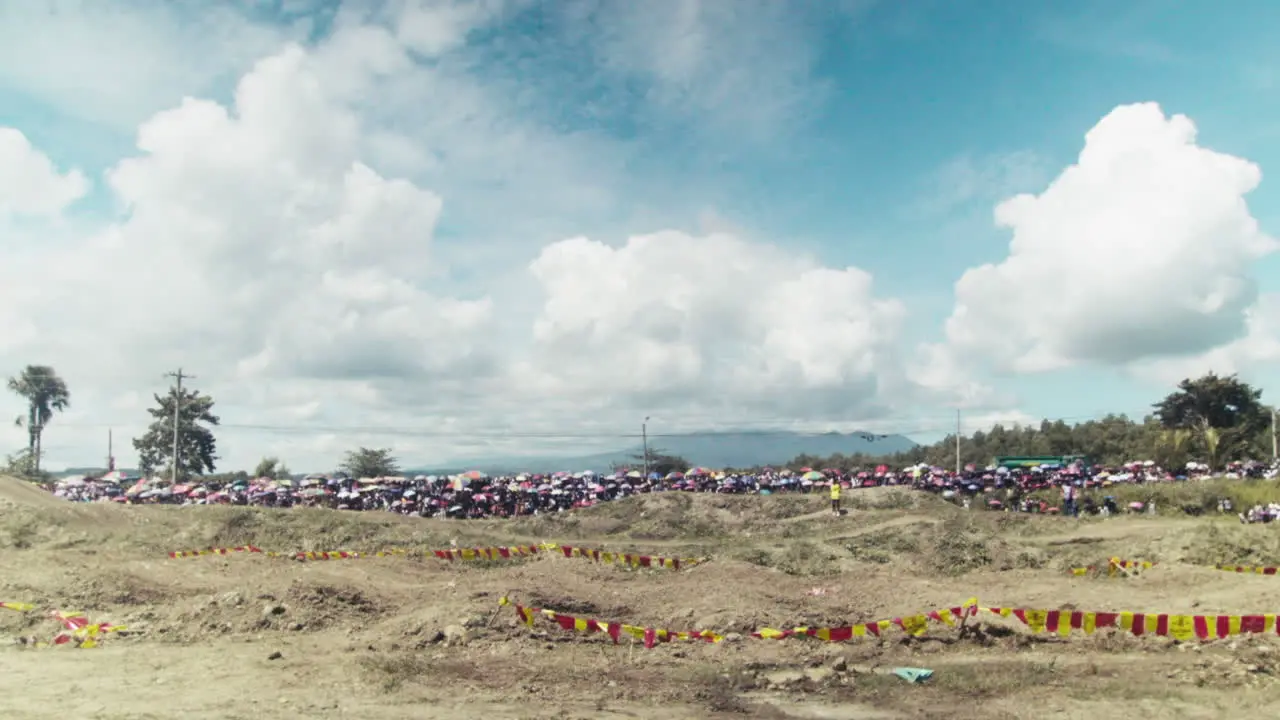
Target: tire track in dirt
column 1108, row 530
column 904, row 521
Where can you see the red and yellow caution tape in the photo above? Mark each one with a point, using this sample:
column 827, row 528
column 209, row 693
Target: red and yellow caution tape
column 1179, row 627
column 1060, row 622
column 177, row 554
column 629, row 559
column 648, row 635
column 77, row 630
column 913, row 625
column 1253, row 569
column 1116, row 566
column 490, row 553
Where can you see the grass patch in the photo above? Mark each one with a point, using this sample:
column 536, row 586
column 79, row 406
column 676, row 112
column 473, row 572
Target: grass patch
column 801, row 558
column 998, row 679
column 805, row 559
column 789, row 506
column 393, row 671
column 721, row 692
column 959, row 548
column 755, row 556
column 21, row 531
column 883, row 548
column 1194, row 496
column 896, row 500
column 1233, row 544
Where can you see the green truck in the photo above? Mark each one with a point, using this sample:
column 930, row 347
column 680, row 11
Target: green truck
column 1026, row 461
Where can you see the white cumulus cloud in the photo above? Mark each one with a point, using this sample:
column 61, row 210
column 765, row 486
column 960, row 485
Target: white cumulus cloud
column 30, row 184
column 257, row 236
column 306, row 246
column 1143, row 248
column 254, row 247
column 714, row 322
column 116, row 63
column 257, row 246
column 1248, row 356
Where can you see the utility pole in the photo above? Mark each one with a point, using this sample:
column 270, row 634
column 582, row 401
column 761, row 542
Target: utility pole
column 957, row 441
column 111, row 453
column 644, row 439
column 1275, row 446
column 177, row 407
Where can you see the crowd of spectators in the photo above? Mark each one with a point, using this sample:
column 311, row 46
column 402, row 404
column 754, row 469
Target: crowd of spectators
column 478, row 495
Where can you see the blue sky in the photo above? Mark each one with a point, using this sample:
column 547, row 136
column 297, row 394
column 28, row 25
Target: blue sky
column 879, row 135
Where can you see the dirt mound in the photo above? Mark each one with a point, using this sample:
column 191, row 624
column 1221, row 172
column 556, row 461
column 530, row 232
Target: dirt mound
column 17, row 493
column 385, row 636
column 676, row 517
column 31, row 517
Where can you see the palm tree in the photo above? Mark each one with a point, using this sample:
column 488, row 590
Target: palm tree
column 46, row 394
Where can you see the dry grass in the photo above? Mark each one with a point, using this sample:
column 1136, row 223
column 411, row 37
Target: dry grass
column 1199, row 495
column 392, row 671
column 960, row 546
column 775, row 562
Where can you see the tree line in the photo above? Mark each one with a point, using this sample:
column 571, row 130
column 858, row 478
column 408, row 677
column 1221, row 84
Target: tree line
column 1211, row 419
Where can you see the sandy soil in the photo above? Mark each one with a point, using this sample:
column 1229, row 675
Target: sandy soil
column 398, row 637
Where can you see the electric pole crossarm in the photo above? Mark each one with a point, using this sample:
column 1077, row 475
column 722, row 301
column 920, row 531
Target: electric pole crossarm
column 177, row 414
column 957, row 442
column 1275, row 441
column 644, row 438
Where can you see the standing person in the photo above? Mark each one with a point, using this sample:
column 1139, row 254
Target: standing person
column 835, row 497
column 1069, row 500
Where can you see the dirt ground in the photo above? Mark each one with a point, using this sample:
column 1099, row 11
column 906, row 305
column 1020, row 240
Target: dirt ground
column 413, row 636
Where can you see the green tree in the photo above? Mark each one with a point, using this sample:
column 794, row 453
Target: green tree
column 370, row 463
column 1225, row 415
column 661, row 462
column 22, row 464
column 271, row 467
column 227, row 478
column 46, row 394
column 198, row 449
column 1173, row 448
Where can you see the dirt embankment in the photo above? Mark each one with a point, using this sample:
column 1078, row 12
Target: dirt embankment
column 250, row 636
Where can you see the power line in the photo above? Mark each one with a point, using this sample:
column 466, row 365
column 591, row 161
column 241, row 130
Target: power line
column 403, row 430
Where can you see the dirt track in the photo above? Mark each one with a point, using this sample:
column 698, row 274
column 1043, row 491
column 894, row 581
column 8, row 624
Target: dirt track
column 362, row 638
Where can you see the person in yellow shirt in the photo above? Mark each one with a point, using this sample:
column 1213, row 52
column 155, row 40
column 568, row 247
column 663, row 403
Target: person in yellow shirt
column 835, row 497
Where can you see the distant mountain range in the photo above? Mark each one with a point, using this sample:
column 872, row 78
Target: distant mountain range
column 738, row 449
column 713, row 450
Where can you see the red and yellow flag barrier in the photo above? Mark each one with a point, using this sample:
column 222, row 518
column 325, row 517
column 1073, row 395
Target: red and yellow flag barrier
column 80, row 632
column 913, row 625
column 303, row 555
column 178, row 554
column 1253, row 569
column 338, row 554
column 629, row 559
column 491, row 553
column 648, row 635
column 77, row 630
column 1179, row 627
column 1116, row 566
